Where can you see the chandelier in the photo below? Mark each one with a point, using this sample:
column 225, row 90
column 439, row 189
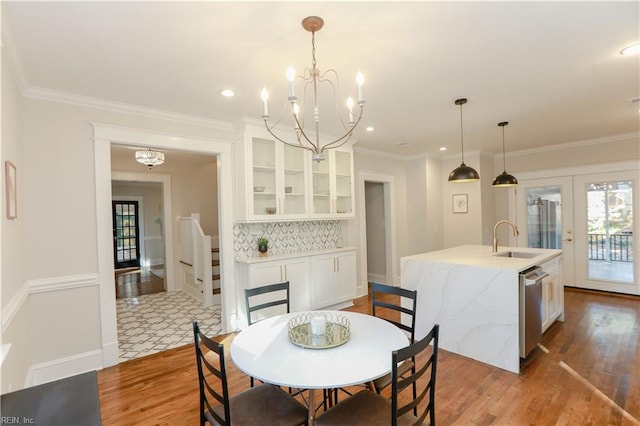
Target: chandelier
column 311, row 78
column 150, row 158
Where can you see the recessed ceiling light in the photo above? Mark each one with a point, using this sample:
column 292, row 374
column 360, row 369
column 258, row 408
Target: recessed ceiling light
column 634, row 49
column 369, row 128
column 227, row 93
column 443, row 148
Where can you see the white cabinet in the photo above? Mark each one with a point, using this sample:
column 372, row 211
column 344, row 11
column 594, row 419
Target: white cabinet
column 552, row 292
column 296, row 271
column 333, row 279
column 332, row 185
column 271, row 179
column 275, row 181
column 316, row 280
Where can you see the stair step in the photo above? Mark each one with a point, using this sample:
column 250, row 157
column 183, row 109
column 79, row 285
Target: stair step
column 215, row 262
column 216, row 291
column 215, row 250
column 215, row 277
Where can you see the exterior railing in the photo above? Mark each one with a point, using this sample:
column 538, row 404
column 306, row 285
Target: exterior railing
column 618, row 248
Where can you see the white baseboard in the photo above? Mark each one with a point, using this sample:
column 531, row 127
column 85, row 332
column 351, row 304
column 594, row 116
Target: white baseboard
column 377, row 278
column 64, row 367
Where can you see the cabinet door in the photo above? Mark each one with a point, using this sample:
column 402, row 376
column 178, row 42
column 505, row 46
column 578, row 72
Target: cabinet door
column 345, row 277
column 293, row 200
column 264, row 191
column 322, row 281
column 320, row 188
column 297, row 273
column 344, row 200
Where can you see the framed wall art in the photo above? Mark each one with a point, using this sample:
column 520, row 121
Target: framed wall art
column 460, row 203
column 11, row 189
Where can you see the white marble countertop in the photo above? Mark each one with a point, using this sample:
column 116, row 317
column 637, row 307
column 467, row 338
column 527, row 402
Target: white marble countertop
column 477, row 255
column 285, row 256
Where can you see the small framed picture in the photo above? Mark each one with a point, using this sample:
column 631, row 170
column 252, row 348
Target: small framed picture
column 460, row 203
column 11, row 189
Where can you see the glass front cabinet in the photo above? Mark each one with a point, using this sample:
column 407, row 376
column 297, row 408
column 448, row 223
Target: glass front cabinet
column 275, row 181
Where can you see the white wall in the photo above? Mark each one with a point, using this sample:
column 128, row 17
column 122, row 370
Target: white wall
column 58, row 205
column 365, row 162
column 14, row 290
column 462, row 228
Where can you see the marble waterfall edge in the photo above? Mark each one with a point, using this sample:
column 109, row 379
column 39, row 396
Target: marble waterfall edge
column 476, row 307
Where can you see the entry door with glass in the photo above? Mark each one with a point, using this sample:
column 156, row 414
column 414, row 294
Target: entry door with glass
column 125, row 234
column 606, row 233
column 545, row 218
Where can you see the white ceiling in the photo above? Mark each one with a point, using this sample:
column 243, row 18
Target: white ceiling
column 552, row 69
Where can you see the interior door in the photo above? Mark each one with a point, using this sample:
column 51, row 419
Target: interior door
column 544, row 215
column 606, row 235
column 126, row 249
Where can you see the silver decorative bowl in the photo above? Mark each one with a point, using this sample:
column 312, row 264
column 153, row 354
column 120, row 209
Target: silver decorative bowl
column 337, row 330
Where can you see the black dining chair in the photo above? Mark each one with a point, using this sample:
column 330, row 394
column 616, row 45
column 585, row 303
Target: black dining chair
column 260, row 300
column 265, row 297
column 370, row 408
column 383, row 308
column 264, row 404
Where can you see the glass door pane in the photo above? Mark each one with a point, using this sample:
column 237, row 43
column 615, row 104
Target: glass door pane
column 294, row 183
column 544, row 217
column 610, row 235
column 264, row 177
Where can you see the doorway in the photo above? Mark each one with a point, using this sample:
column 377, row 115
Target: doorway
column 377, row 230
column 605, row 204
column 104, row 136
column 126, row 232
column 545, row 218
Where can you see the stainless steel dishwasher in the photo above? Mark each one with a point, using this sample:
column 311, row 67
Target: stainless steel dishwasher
column 530, row 308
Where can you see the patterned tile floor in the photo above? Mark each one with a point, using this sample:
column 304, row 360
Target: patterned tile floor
column 157, row 322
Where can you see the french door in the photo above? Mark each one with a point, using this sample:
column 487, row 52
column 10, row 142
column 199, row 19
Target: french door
column 544, row 215
column 126, row 230
column 605, row 206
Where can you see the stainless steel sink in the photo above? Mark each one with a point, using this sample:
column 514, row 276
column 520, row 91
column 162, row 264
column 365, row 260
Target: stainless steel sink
column 517, row 254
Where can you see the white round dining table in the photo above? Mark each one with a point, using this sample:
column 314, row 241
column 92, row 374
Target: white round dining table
column 263, row 351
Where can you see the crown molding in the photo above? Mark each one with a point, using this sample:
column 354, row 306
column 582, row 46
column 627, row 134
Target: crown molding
column 577, row 144
column 91, row 102
column 11, row 57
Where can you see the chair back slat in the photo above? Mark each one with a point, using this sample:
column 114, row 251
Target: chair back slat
column 423, row 375
column 391, row 312
column 209, row 383
column 265, row 297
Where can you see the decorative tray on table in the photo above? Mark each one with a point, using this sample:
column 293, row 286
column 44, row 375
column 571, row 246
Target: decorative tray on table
column 319, row 330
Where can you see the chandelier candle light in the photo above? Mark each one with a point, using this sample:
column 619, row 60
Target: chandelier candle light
column 312, row 78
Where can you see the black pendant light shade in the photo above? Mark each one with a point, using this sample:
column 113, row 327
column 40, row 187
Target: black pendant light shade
column 504, row 179
column 463, row 173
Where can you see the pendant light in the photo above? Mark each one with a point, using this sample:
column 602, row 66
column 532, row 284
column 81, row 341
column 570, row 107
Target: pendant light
column 463, row 173
column 505, row 179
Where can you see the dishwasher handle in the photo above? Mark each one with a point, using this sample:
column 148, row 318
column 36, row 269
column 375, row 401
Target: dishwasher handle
column 538, row 278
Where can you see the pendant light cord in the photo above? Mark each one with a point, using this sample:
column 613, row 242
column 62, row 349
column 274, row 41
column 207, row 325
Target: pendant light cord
column 504, row 156
column 461, row 134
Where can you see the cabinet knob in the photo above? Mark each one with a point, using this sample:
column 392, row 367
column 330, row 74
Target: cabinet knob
column 569, row 239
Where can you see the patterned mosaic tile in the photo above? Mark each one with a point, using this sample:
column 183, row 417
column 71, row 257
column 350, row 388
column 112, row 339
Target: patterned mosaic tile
column 157, row 322
column 286, row 237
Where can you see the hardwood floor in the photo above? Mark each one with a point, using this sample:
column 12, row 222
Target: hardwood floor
column 132, row 282
column 590, row 375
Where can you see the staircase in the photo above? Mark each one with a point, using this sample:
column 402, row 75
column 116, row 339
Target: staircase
column 215, row 269
column 199, row 261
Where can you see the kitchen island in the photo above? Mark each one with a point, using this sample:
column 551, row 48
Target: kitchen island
column 474, row 295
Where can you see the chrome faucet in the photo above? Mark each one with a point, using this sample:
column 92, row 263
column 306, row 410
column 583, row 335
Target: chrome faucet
column 495, row 228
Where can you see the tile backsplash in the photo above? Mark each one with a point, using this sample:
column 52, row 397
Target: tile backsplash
column 286, row 237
